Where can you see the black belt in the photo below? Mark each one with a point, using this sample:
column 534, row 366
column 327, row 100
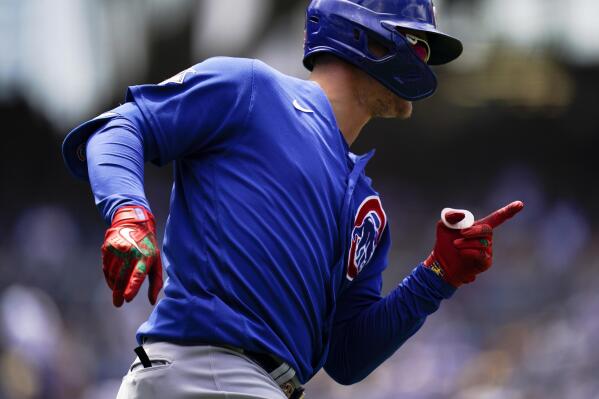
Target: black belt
column 281, row 372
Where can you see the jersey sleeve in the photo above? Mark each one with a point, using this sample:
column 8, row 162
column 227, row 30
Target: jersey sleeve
column 116, row 153
column 198, row 109
column 369, row 328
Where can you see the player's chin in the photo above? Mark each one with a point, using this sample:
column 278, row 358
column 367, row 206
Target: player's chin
column 404, row 109
column 396, row 108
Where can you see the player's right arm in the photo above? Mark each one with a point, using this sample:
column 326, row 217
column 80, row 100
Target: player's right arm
column 196, row 111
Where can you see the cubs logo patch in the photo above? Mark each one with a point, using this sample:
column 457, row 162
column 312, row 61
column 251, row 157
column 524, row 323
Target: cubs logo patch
column 369, row 225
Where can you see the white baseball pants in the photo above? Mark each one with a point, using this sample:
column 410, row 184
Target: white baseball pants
column 197, row 372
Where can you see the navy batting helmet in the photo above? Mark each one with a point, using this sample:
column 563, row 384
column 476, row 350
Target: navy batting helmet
column 347, row 28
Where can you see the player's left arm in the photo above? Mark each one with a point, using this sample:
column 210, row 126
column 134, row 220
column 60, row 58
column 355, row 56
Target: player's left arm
column 369, row 328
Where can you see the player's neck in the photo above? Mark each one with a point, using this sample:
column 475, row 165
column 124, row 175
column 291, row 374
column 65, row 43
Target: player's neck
column 340, row 82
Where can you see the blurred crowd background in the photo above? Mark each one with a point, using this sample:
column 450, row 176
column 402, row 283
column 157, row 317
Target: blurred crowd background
column 516, row 117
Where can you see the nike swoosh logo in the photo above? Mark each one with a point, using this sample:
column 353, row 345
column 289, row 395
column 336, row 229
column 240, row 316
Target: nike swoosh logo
column 298, row 106
column 126, row 234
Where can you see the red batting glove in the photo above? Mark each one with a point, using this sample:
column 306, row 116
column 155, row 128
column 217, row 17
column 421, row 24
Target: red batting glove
column 460, row 254
column 129, row 253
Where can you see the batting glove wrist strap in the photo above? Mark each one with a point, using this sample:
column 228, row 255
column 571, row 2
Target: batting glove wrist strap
column 132, row 214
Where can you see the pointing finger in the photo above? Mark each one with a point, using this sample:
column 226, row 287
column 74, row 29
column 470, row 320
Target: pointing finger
column 501, row 215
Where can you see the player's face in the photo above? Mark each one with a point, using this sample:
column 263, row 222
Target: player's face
column 380, row 101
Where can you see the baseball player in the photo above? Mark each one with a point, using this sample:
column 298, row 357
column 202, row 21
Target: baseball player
column 276, row 241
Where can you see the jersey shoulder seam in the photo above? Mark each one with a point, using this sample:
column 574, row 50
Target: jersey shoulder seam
column 252, row 93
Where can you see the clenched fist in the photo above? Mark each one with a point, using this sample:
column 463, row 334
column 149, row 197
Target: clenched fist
column 460, row 254
column 129, row 253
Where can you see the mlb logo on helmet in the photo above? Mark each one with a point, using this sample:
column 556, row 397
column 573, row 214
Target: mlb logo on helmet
column 368, row 229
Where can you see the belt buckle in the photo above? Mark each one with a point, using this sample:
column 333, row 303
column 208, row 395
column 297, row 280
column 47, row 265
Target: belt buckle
column 292, row 391
column 288, row 388
column 281, row 372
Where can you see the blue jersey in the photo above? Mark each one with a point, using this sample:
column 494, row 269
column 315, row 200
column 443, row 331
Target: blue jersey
column 276, row 240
